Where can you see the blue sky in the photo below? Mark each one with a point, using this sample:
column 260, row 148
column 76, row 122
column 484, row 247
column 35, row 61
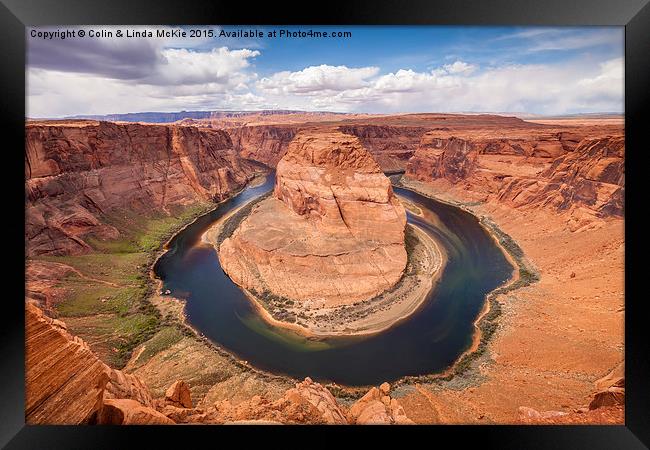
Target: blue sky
column 535, row 70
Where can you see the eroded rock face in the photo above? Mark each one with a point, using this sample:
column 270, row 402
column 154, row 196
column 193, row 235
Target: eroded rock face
column 307, row 403
column 265, row 144
column 390, row 146
column 123, row 385
column 378, row 408
column 321, row 398
column 79, row 172
column 64, row 380
column 67, row 384
column 452, row 159
column 130, row 412
column 563, row 171
column 333, row 232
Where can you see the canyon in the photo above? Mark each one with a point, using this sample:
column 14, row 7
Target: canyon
column 557, row 187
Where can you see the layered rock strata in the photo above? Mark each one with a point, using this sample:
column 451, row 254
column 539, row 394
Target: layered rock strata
column 581, row 171
column 78, row 173
column 64, row 380
column 333, row 232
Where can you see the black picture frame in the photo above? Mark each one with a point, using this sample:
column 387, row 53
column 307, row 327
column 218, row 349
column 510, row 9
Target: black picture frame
column 18, row 14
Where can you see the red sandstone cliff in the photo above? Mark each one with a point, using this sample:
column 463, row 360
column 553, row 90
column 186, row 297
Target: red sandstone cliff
column 390, row 146
column 581, row 170
column 266, row 143
column 76, row 172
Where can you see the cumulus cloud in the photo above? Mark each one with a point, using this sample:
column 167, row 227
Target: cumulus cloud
column 459, row 67
column 539, row 88
column 317, row 79
column 220, row 65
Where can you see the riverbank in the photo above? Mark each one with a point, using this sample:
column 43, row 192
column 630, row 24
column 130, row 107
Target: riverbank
column 532, row 358
column 485, row 324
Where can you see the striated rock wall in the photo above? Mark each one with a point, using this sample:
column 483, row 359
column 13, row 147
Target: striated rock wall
column 390, row 146
column 577, row 170
column 76, row 172
column 332, row 234
column 64, row 380
column 265, row 143
column 453, row 159
column 592, row 176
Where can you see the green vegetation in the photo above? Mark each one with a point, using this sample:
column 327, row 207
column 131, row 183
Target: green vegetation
column 162, row 340
column 145, row 233
column 106, row 302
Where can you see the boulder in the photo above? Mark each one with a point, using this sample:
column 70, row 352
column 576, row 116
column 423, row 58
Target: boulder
column 130, row 412
column 178, row 394
column 611, row 396
column 376, row 407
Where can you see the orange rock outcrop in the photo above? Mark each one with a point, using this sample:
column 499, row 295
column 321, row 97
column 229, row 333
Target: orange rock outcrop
column 64, row 380
column 333, row 232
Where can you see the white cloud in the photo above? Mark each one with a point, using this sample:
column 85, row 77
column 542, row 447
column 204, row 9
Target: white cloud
column 460, row 67
column 56, row 94
column 222, row 66
column 179, row 79
column 317, row 79
column 563, row 39
column 536, row 88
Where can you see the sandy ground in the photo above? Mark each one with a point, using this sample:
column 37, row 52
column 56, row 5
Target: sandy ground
column 555, row 337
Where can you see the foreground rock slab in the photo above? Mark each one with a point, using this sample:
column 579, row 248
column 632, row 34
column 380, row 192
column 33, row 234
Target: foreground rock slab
column 64, row 380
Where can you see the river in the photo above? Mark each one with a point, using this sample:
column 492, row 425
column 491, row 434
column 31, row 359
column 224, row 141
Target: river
column 428, row 341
